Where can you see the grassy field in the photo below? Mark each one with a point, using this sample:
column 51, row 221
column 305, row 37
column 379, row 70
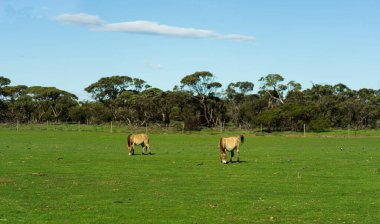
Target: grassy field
column 87, row 177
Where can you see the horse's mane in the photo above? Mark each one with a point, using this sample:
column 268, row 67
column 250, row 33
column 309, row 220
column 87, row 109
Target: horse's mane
column 129, row 139
column 242, row 138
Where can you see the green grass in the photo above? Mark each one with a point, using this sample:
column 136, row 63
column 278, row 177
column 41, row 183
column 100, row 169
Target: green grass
column 87, row 177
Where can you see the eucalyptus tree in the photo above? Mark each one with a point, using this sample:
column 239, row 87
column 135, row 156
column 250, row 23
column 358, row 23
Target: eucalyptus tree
column 184, row 108
column 90, row 112
column 148, row 104
column 4, row 81
column 51, row 102
column 3, row 106
column 360, row 110
column 322, row 96
column 236, row 98
column 125, row 106
column 20, row 105
column 239, row 88
column 170, row 101
column 204, row 89
column 12, row 93
column 107, row 89
column 294, row 92
column 272, row 85
column 14, row 103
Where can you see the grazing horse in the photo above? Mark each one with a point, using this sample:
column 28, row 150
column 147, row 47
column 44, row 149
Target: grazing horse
column 230, row 144
column 138, row 139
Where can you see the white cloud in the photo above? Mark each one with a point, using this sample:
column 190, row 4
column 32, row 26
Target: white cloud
column 82, row 19
column 146, row 27
column 154, row 28
column 235, row 37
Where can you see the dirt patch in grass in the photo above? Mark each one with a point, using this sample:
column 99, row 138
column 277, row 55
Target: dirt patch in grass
column 6, row 180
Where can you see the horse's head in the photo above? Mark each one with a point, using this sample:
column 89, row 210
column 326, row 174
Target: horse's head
column 130, row 150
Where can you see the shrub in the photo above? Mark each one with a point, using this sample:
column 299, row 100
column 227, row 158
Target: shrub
column 320, row 124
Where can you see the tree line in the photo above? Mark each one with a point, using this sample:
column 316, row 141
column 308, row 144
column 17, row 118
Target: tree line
column 198, row 101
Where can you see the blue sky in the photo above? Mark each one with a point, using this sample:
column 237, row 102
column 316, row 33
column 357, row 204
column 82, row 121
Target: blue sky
column 71, row 44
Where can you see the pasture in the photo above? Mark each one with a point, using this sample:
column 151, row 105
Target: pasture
column 88, row 177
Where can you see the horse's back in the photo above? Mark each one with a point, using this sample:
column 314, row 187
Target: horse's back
column 229, row 143
column 140, row 138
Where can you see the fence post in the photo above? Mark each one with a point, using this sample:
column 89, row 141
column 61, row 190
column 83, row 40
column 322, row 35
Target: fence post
column 183, row 127
column 304, row 130
column 111, row 127
column 146, row 128
column 17, row 125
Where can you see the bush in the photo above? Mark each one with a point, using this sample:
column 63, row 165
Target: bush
column 192, row 123
column 320, row 124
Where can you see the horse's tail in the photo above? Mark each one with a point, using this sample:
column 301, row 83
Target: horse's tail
column 242, row 138
column 130, row 140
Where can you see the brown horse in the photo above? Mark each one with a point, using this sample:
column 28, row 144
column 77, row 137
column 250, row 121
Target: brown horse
column 230, row 144
column 138, row 139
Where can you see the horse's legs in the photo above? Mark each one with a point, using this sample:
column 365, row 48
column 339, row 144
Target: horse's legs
column 232, row 155
column 237, row 154
column 148, row 148
column 143, row 148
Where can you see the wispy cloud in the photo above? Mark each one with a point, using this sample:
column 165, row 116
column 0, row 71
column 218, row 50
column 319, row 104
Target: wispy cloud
column 81, row 19
column 145, row 27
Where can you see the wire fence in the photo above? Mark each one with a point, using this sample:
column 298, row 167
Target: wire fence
column 115, row 127
column 178, row 128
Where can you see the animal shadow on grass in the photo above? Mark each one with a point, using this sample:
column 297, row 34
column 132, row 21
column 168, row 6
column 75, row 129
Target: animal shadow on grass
column 234, row 162
column 145, row 154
